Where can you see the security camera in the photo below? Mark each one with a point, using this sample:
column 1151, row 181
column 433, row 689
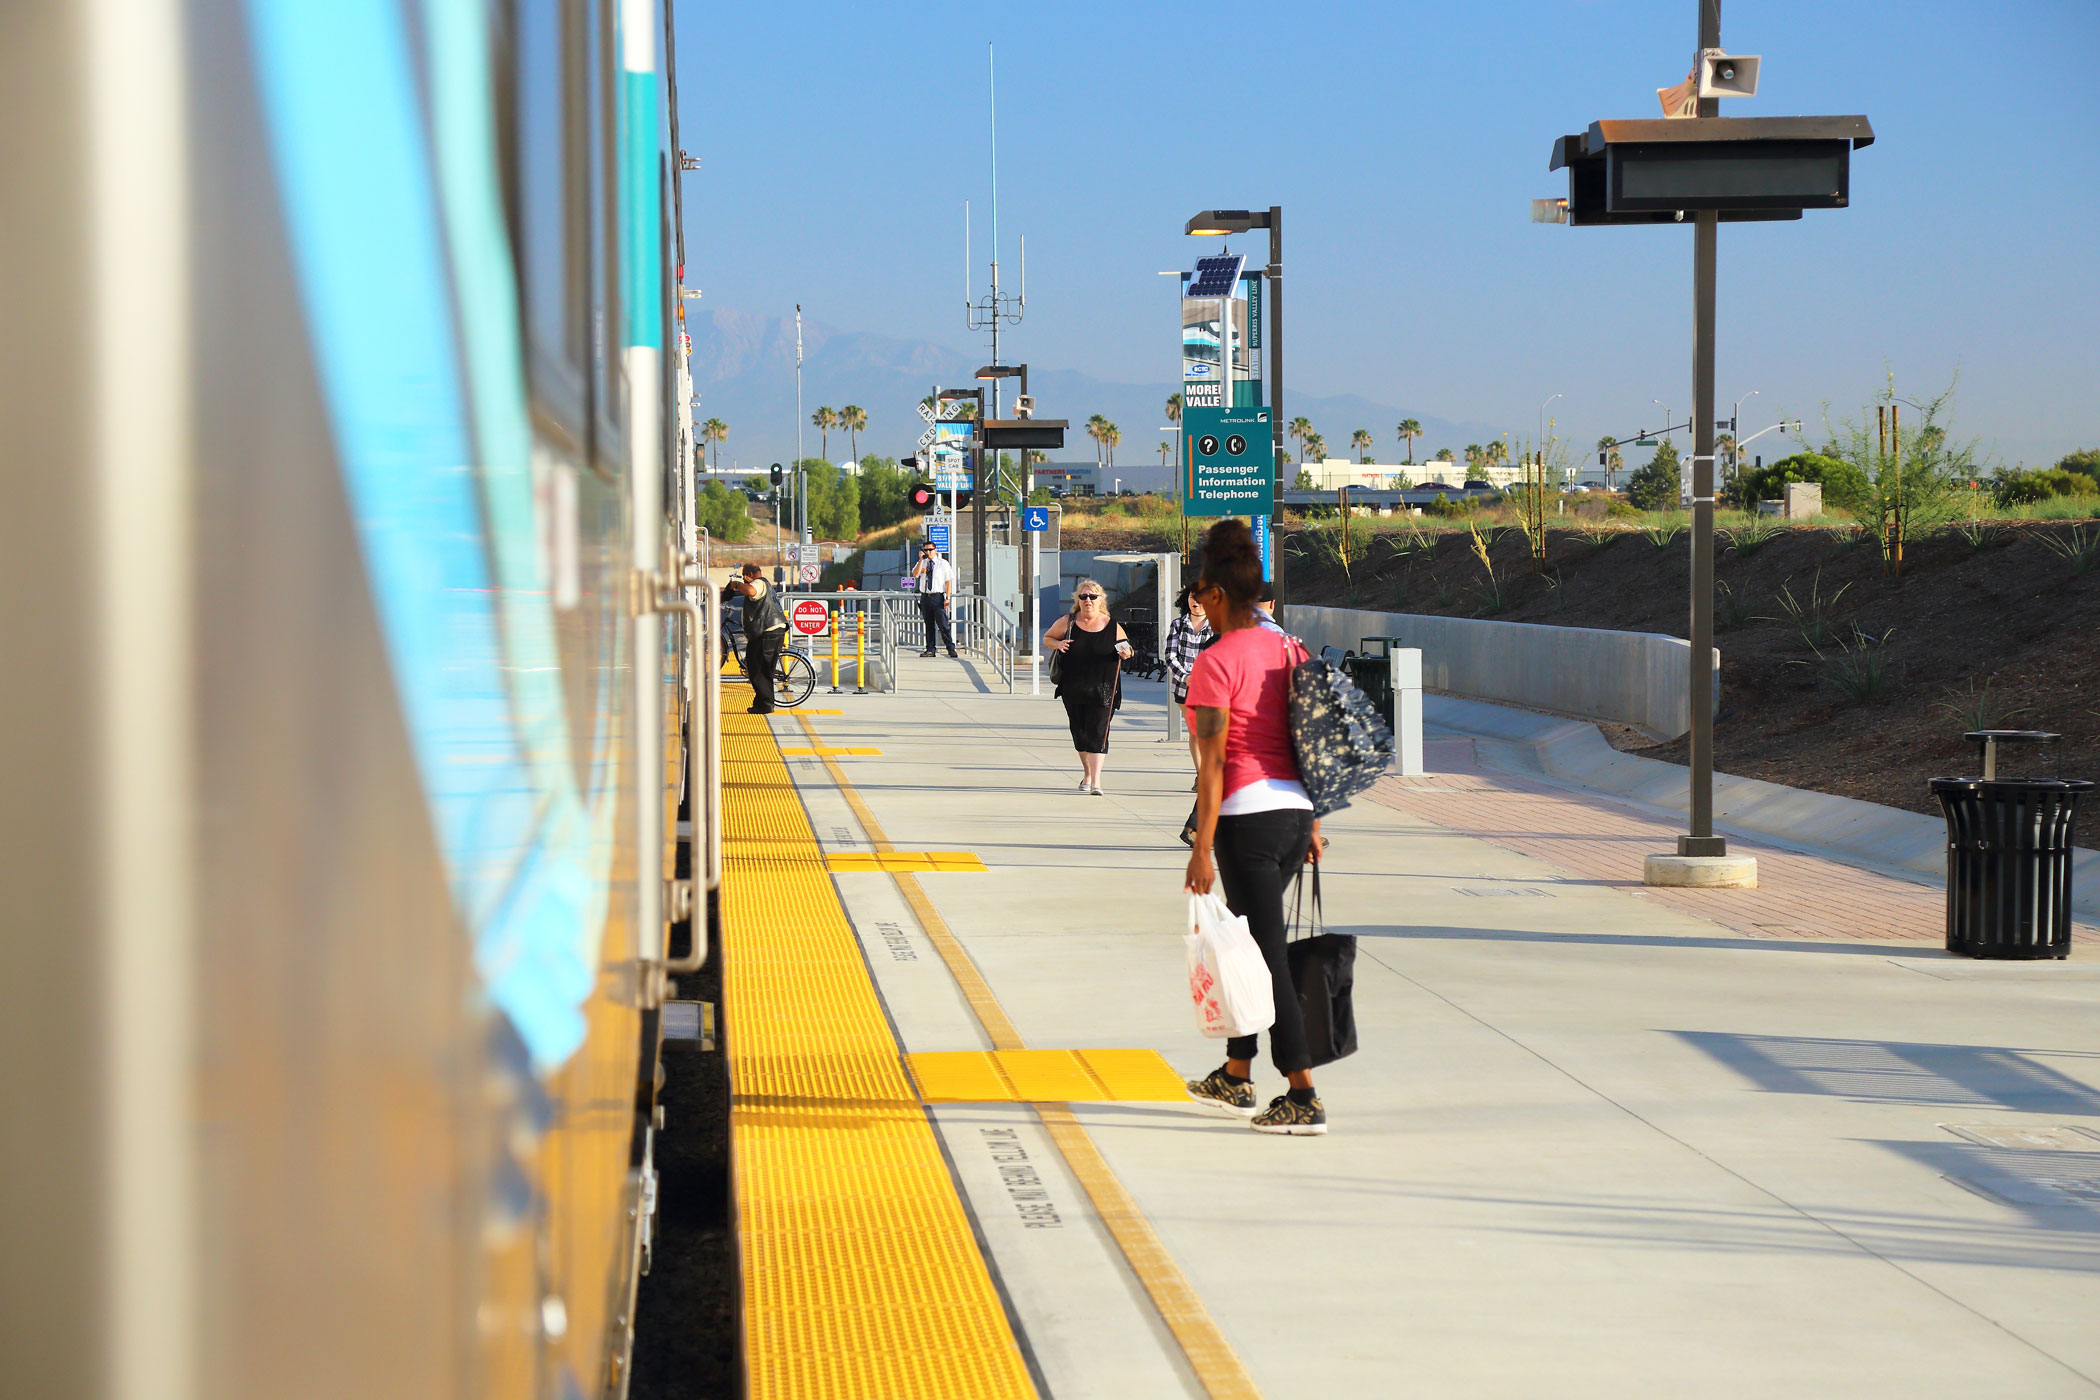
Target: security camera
column 1727, row 74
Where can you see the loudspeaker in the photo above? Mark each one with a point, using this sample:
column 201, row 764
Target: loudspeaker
column 1727, row 74
column 1024, row 406
column 1679, row 101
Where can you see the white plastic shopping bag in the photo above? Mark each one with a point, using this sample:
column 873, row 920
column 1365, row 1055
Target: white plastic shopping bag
column 1228, row 978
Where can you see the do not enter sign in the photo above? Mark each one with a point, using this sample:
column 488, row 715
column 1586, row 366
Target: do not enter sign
column 810, row 617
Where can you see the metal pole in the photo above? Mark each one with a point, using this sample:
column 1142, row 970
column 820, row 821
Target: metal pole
column 1035, row 612
column 1275, row 387
column 1701, row 841
column 979, row 522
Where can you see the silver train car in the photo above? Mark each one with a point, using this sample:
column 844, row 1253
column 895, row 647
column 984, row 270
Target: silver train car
column 346, row 560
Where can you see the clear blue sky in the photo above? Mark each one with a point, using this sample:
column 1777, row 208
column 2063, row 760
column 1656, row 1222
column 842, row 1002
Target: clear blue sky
column 1404, row 141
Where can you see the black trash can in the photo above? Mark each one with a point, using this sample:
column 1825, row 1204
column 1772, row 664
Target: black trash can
column 1372, row 671
column 2009, row 865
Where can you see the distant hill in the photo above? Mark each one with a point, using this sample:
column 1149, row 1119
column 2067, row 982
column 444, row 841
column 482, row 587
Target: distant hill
column 744, row 370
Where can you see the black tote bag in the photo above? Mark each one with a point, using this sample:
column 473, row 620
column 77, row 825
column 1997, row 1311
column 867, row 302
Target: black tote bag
column 1323, row 969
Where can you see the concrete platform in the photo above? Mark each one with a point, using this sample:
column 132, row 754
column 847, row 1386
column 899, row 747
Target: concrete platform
column 1599, row 1141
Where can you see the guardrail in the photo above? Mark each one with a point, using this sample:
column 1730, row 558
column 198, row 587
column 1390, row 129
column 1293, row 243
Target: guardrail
column 982, row 629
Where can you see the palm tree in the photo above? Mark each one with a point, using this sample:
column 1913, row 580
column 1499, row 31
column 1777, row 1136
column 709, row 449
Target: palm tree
column 1094, row 425
column 1409, row 430
column 1300, row 429
column 1164, row 450
column 1174, row 409
column 1315, row 447
column 825, row 420
column 1613, row 462
column 1360, row 440
column 1111, row 435
column 1476, row 455
column 854, row 419
column 714, row 430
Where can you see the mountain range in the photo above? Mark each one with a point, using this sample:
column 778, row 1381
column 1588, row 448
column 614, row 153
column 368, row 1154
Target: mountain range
column 743, row 367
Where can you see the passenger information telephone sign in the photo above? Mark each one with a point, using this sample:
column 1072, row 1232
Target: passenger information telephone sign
column 1226, row 464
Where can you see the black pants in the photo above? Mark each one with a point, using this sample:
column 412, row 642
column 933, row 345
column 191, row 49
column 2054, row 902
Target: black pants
column 1258, row 855
column 933, row 607
column 761, row 656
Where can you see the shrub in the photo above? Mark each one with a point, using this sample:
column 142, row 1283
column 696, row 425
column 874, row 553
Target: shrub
column 2085, row 460
column 1656, row 485
column 1845, row 486
column 724, row 513
column 2020, row 487
column 1444, row 507
column 1814, row 617
column 1751, row 536
column 2081, row 547
column 1621, row 510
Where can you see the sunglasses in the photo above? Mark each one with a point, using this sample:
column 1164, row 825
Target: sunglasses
column 1090, row 597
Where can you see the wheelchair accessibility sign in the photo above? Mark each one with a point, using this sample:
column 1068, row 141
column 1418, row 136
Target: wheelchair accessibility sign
column 1035, row 518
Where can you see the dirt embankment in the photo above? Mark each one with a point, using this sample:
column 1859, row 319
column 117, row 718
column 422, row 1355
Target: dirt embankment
column 1833, row 676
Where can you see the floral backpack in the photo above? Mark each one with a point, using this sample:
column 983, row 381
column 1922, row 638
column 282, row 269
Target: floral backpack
column 1342, row 742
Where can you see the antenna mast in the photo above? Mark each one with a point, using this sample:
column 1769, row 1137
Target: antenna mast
column 997, row 308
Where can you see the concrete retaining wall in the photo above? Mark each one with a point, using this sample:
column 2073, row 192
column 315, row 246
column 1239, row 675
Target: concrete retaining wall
column 1632, row 678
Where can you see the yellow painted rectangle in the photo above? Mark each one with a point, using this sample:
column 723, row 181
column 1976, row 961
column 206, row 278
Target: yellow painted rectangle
column 904, row 862
column 1048, row 1076
column 831, row 753
column 968, row 1076
column 1045, row 1076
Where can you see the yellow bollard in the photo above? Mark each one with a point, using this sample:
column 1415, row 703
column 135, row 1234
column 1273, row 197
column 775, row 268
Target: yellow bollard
column 860, row 656
column 835, row 652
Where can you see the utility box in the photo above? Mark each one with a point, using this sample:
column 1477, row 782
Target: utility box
column 1804, row 500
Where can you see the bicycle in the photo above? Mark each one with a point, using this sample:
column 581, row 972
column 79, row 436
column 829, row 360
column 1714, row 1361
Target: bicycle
column 794, row 678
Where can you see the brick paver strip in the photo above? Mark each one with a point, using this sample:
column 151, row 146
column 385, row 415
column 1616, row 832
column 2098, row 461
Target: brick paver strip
column 1597, row 838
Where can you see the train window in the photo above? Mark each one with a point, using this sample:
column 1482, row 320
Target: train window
column 548, row 153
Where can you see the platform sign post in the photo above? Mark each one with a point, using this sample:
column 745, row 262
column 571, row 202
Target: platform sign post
column 1225, row 467
column 1034, row 521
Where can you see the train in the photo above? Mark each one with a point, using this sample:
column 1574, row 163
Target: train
column 352, row 696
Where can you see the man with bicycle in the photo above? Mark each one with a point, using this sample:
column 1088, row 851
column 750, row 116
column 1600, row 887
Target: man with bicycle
column 765, row 633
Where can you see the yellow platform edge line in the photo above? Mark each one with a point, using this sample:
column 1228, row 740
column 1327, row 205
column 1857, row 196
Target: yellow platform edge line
column 1217, row 1366
column 861, row 1275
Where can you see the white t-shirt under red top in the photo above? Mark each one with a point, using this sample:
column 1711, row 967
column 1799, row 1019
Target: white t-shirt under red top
column 1247, row 673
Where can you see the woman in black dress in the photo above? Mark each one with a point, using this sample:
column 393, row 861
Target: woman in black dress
column 1092, row 649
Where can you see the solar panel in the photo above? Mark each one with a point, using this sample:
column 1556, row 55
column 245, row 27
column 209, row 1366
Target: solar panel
column 1215, row 277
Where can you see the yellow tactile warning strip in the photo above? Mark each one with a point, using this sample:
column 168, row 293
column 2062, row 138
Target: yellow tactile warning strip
column 1210, row 1356
column 821, row 752
column 861, row 862
column 1045, row 1076
column 862, row 1276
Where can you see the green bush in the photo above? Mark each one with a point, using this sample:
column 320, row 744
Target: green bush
column 1622, row 510
column 885, row 492
column 1845, row 486
column 1444, row 507
column 1656, row 486
column 2020, row 487
column 1154, row 506
column 2085, row 460
column 724, row 513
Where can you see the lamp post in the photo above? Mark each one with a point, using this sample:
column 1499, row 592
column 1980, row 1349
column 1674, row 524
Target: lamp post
column 1024, row 483
column 1652, row 172
column 1217, row 222
column 1735, row 448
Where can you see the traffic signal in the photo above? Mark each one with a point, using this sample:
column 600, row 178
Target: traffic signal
column 923, row 496
column 776, row 473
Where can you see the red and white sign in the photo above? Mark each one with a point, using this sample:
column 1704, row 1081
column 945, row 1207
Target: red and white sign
column 810, row 617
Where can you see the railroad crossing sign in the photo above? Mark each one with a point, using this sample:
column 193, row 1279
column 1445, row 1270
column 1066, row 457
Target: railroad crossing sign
column 810, row 617
column 926, row 438
column 926, row 411
column 1227, row 467
column 1035, row 518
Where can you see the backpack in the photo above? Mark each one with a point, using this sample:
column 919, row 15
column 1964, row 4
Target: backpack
column 1342, row 742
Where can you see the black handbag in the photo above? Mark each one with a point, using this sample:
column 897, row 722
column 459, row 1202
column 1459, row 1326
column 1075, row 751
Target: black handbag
column 1323, row 969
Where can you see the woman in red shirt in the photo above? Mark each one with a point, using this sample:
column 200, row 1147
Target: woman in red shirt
column 1252, row 809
